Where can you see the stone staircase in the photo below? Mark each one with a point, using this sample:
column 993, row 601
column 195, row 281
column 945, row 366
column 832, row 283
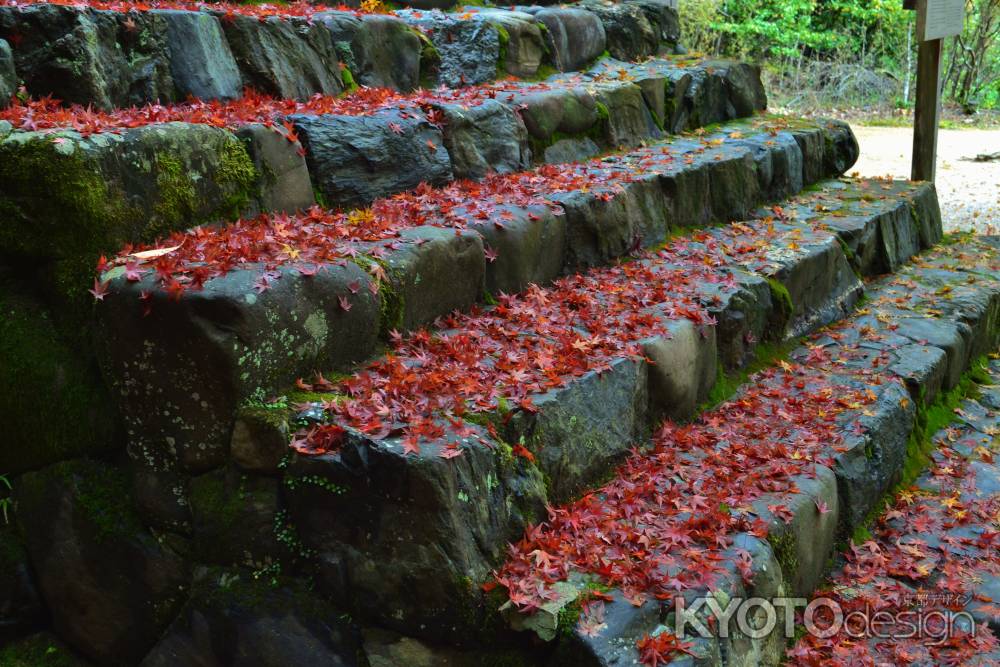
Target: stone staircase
column 386, row 371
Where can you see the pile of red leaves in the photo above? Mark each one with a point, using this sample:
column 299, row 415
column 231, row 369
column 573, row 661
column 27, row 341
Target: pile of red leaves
column 297, row 8
column 49, row 114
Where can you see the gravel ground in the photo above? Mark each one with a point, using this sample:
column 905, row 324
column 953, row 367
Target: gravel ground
column 969, row 191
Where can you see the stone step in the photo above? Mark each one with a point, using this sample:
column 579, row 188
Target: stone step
column 244, row 310
column 112, row 179
column 932, row 551
column 435, row 497
column 750, row 500
column 133, row 54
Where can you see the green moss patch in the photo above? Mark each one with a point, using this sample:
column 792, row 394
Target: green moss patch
column 52, row 402
column 40, row 650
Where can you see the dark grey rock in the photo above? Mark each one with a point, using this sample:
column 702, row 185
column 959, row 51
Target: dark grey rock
column 488, row 137
column 380, row 51
column 201, row 61
column 744, row 316
column 8, row 77
column 779, row 164
column 180, row 373
column 522, row 45
column 110, row 586
column 629, row 34
column 941, row 334
column 529, row 247
column 820, row 283
column 582, row 430
column 663, row 17
column 284, row 177
column 803, row 546
column 842, row 149
column 284, row 57
column 259, row 443
column 354, row 160
column 21, row 608
column 629, row 122
column 871, row 462
column 234, row 519
column 468, row 49
column 575, row 37
column 568, row 150
column 426, row 530
column 234, row 619
column 683, row 369
column 90, row 57
column 600, row 229
column 922, row 368
column 433, row 271
column 568, row 111
column 69, row 198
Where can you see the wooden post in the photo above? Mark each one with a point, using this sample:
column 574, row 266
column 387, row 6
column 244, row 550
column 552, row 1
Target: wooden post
column 936, row 20
column 927, row 110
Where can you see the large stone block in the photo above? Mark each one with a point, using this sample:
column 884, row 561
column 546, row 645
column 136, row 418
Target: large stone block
column 52, row 398
column 580, row 431
column 201, row 61
column 432, row 272
column 485, row 138
column 284, row 57
column 236, row 620
column 871, row 461
column 522, row 45
column 8, row 76
column 110, row 586
column 354, row 160
column 467, row 48
column 683, row 369
column 425, row 531
column 575, row 36
column 180, row 371
column 380, row 51
column 629, row 33
column 600, row 229
column 284, row 180
column 528, row 246
column 803, row 545
column 89, row 57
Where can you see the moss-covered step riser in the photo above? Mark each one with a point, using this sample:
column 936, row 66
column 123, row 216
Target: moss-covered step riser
column 254, row 342
column 68, row 199
column 796, row 555
column 456, row 513
column 110, row 59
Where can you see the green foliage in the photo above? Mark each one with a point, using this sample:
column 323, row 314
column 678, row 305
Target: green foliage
column 846, row 52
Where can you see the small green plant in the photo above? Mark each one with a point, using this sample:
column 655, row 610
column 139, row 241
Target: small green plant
column 6, row 503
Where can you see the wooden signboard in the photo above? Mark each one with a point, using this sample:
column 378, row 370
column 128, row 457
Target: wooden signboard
column 936, row 20
column 940, row 19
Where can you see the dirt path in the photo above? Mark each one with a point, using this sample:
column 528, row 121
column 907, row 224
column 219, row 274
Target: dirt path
column 969, row 191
